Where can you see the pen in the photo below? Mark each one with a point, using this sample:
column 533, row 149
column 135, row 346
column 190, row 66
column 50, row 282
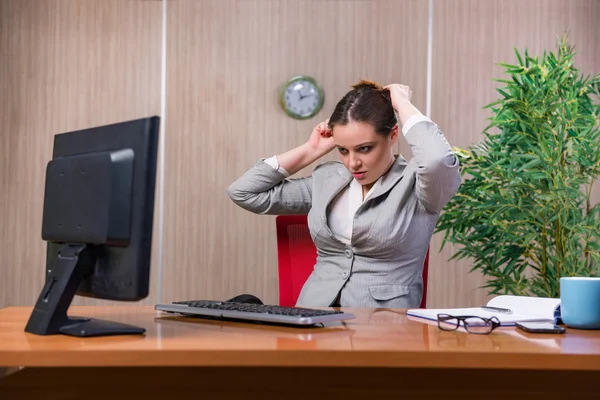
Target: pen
column 498, row 309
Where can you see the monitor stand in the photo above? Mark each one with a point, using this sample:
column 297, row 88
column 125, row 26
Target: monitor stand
column 49, row 316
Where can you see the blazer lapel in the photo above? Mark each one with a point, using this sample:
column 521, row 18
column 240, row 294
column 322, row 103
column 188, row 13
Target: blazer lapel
column 335, row 183
column 332, row 187
column 390, row 179
column 342, row 177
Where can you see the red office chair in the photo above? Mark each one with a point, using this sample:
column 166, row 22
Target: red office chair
column 297, row 255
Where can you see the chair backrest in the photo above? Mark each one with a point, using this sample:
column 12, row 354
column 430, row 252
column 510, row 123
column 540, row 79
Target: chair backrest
column 297, row 255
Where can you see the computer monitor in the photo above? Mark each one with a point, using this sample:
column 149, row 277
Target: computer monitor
column 97, row 222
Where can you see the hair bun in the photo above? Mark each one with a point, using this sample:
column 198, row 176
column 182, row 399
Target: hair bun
column 367, row 84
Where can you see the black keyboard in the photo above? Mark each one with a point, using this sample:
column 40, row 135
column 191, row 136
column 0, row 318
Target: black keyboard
column 254, row 312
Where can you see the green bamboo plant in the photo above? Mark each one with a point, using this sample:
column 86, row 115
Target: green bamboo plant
column 524, row 214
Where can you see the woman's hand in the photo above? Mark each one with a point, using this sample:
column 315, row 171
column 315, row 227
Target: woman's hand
column 319, row 143
column 400, row 94
column 321, row 139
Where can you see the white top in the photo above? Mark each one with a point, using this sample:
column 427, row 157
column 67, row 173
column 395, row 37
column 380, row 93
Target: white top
column 345, row 204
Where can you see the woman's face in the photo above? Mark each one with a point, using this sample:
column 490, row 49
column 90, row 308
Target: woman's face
column 364, row 152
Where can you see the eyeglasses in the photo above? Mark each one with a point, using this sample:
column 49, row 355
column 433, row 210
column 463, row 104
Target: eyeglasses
column 472, row 324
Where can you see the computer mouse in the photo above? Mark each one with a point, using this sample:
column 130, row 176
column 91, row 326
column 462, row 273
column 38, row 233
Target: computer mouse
column 246, row 298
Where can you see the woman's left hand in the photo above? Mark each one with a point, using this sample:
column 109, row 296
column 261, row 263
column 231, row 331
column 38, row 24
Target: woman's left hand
column 399, row 94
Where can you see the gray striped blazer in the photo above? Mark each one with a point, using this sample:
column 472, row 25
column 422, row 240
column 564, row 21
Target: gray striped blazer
column 391, row 231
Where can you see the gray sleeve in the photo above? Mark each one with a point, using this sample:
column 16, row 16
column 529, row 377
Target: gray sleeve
column 264, row 190
column 438, row 174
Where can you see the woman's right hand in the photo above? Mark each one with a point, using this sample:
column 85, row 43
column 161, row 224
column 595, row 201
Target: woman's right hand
column 319, row 143
column 321, row 139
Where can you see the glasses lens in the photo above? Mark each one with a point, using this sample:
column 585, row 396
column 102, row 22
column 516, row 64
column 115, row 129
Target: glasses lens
column 447, row 323
column 477, row 325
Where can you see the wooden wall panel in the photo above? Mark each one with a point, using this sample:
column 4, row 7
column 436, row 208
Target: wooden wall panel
column 469, row 38
column 66, row 65
column 71, row 64
column 226, row 60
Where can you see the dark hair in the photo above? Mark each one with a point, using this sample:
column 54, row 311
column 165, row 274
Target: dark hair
column 367, row 102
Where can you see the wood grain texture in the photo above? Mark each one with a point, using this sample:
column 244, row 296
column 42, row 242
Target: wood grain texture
column 66, row 65
column 469, row 38
column 376, row 338
column 227, row 60
column 292, row 383
column 296, row 383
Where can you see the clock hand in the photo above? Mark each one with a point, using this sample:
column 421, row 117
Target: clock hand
column 306, row 88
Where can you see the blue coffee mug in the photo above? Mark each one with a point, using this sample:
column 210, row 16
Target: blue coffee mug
column 580, row 302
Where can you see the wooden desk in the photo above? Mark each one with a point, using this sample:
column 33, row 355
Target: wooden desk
column 381, row 353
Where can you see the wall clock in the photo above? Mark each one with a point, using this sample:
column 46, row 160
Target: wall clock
column 301, row 97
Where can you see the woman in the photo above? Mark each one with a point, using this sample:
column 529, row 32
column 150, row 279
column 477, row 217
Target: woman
column 372, row 215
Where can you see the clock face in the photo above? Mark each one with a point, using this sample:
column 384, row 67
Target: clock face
column 302, row 98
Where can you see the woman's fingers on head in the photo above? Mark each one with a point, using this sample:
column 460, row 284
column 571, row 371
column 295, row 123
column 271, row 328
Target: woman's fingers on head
column 397, row 86
column 323, row 127
column 406, row 90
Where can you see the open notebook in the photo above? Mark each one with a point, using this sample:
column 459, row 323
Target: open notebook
column 522, row 309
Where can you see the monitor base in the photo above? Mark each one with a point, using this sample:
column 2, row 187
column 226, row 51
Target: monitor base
column 49, row 317
column 88, row 327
